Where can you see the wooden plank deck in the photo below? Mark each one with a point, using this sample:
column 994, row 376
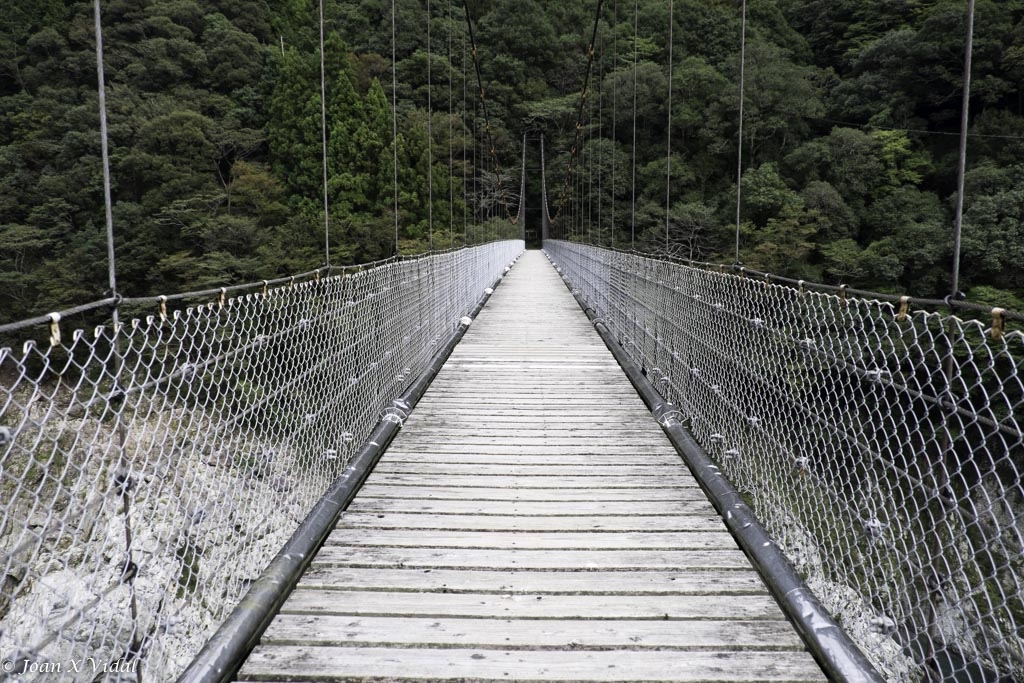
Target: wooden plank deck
column 531, row 522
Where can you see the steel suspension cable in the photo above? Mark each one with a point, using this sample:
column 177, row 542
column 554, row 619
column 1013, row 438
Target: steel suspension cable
column 323, row 140
column 739, row 137
column 105, row 152
column 574, row 151
column 546, row 215
column 430, row 144
column 590, row 175
column 600, row 174
column 451, row 131
column 636, row 47
column 581, row 213
column 576, row 206
column 586, row 196
column 962, row 151
column 499, row 186
column 521, row 214
column 128, row 567
column 942, row 466
column 615, row 115
column 477, row 214
column 465, row 158
column 394, row 112
column 668, row 133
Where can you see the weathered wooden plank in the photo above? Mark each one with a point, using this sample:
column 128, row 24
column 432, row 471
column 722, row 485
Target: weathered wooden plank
column 413, row 491
column 533, row 540
column 630, row 415
column 471, row 429
column 644, row 455
column 592, row 481
column 454, row 394
column 689, row 502
column 469, row 423
column 609, row 440
column 460, row 558
column 518, row 377
column 395, row 520
column 523, row 366
column 539, row 416
column 545, row 400
column 452, row 383
column 494, row 419
column 555, row 451
column 455, row 426
column 593, row 461
column 553, row 361
column 530, row 418
column 563, row 398
column 545, row 383
column 294, row 629
column 547, row 471
column 653, row 582
column 554, row 356
column 559, row 361
column 519, row 412
column 532, row 606
column 327, row 663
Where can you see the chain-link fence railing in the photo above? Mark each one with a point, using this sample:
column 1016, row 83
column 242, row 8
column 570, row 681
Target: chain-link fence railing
column 150, row 472
column 881, row 446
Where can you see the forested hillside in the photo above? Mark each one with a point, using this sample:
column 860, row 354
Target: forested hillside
column 852, row 110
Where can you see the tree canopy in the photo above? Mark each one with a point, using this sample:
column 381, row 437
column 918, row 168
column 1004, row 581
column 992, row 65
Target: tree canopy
column 851, row 112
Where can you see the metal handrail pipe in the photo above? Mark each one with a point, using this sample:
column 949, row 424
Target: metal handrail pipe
column 225, row 653
column 835, row 652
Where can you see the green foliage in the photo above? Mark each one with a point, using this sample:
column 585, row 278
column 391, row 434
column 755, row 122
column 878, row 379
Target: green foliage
column 903, row 165
column 766, row 195
column 851, row 111
column 993, row 237
column 996, row 297
column 785, row 244
column 215, row 135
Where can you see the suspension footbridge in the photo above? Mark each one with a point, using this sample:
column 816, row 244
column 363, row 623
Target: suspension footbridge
column 489, row 463
column 531, row 522
column 525, row 514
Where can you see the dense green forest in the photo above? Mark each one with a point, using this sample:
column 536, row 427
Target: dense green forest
column 849, row 139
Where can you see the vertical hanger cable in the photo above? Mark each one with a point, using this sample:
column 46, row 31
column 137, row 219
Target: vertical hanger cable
column 394, row 114
column 323, row 140
column 739, row 138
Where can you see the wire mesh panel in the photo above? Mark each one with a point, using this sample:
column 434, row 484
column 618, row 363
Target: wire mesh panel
column 881, row 447
column 150, row 472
